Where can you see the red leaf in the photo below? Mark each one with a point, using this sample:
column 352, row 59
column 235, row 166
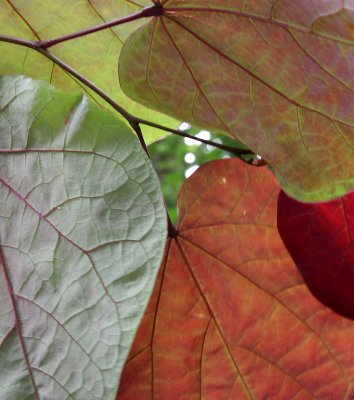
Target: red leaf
column 231, row 317
column 320, row 238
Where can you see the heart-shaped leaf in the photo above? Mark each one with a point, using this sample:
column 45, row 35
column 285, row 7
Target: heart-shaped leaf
column 82, row 232
column 231, row 317
column 276, row 75
column 94, row 56
column 320, row 239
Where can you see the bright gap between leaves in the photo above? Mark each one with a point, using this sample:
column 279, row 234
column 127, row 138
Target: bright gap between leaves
column 190, row 171
column 201, row 135
column 189, row 158
column 184, row 126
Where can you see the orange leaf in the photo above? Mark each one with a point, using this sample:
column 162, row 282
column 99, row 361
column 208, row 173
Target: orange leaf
column 278, row 75
column 231, row 317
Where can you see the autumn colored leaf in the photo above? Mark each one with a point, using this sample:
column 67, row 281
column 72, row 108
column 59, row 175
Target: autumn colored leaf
column 278, row 75
column 320, row 239
column 94, row 56
column 78, row 197
column 231, row 317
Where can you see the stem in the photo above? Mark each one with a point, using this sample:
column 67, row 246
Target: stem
column 230, row 149
column 129, row 117
column 46, row 53
column 135, row 125
column 20, row 42
column 134, row 121
column 41, row 47
column 173, row 232
column 152, row 11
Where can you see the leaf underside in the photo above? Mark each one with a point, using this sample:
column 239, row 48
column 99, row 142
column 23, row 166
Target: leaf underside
column 231, row 317
column 94, row 56
column 78, row 198
column 277, row 75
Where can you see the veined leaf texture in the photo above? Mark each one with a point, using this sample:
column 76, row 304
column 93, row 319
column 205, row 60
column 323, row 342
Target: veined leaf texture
column 231, row 317
column 278, row 75
column 78, row 197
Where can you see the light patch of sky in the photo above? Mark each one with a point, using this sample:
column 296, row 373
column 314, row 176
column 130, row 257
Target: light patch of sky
column 210, row 148
column 191, row 142
column 190, row 171
column 189, row 158
column 184, row 126
column 201, row 135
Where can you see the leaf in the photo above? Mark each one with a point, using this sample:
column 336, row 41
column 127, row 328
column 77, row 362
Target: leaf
column 231, row 317
column 320, row 239
column 82, row 231
column 276, row 75
column 94, row 56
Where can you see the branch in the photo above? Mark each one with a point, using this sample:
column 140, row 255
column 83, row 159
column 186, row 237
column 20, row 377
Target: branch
column 234, row 150
column 46, row 53
column 21, row 42
column 136, row 126
column 130, row 118
column 152, row 11
column 133, row 121
column 173, row 232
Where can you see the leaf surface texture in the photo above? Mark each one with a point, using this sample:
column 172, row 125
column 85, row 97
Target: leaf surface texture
column 231, row 317
column 277, row 75
column 82, row 232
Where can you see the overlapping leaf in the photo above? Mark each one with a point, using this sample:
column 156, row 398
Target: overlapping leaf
column 320, row 239
column 82, row 228
column 94, row 56
column 231, row 317
column 278, row 75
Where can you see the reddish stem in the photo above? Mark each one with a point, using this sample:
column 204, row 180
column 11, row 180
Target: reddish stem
column 153, row 11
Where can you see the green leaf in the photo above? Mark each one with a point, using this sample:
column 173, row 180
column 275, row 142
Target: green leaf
column 95, row 56
column 276, row 75
column 82, row 232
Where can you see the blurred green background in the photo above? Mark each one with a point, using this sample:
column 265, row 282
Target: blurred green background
column 175, row 158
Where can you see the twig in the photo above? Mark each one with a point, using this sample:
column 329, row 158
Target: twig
column 42, row 46
column 152, row 11
column 136, row 126
column 129, row 117
column 173, row 232
column 234, row 150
